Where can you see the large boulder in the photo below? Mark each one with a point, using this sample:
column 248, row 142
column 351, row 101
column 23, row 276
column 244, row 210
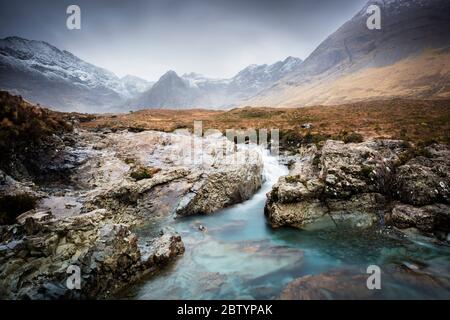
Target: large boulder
column 367, row 167
column 359, row 184
column 361, row 210
column 297, row 215
column 223, row 188
column 342, row 183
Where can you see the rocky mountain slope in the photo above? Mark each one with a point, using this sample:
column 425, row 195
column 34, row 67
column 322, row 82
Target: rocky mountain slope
column 409, row 32
column 44, row 74
column 408, row 58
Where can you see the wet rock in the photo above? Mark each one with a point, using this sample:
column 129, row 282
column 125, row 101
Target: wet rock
column 298, row 215
column 112, row 260
column 31, row 226
column 327, row 287
column 39, row 216
column 107, row 254
column 352, row 284
column 341, row 183
column 11, row 187
column 222, row 189
column 360, row 211
column 427, row 218
column 294, row 189
column 164, row 248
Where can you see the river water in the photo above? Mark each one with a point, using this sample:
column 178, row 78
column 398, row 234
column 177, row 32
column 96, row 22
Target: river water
column 240, row 257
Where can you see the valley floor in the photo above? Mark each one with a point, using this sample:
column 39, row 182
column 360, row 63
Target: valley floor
column 416, row 121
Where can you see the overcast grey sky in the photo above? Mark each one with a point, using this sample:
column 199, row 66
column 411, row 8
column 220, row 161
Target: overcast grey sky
column 148, row 37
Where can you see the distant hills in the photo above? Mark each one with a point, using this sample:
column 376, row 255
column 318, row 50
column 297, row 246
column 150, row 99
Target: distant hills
column 409, row 57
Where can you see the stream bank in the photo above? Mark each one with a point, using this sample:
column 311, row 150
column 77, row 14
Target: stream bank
column 236, row 254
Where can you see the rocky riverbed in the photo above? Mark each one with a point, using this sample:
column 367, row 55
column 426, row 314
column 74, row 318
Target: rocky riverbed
column 114, row 182
column 100, row 189
column 235, row 254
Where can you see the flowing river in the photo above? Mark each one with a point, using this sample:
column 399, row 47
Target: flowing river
column 239, row 256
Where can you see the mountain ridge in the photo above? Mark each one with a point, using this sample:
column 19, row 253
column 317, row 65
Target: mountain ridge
column 194, row 90
column 411, row 33
column 45, row 74
column 408, row 29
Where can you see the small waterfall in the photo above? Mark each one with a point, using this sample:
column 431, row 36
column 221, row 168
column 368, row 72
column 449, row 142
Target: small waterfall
column 272, row 170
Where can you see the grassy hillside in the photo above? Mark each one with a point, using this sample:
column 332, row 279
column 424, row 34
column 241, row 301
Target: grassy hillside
column 425, row 76
column 27, row 132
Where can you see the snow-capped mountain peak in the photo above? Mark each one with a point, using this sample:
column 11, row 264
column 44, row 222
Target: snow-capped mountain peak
column 54, row 63
column 62, row 72
column 262, row 75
